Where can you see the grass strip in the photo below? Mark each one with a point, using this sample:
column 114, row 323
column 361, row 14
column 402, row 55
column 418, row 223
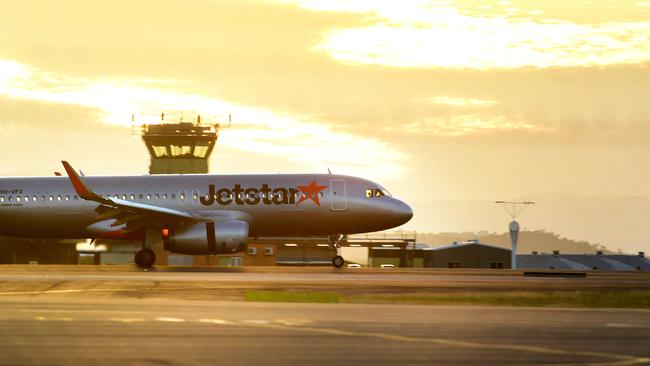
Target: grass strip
column 580, row 299
column 292, row 296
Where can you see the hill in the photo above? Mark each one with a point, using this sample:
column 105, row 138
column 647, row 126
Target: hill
column 540, row 241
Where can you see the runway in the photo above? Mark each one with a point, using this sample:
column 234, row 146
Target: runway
column 102, row 316
column 37, row 331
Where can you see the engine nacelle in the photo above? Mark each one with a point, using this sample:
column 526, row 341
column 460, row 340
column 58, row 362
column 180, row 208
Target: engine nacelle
column 208, row 238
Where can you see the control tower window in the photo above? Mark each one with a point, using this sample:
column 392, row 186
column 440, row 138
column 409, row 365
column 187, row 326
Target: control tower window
column 160, row 150
column 201, row 151
column 181, row 150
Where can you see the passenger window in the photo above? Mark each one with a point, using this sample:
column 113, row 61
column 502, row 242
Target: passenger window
column 124, row 197
column 173, row 196
column 42, row 198
column 17, row 198
column 148, row 197
column 58, row 198
column 26, row 198
column 35, row 198
column 157, row 196
column 165, row 196
column 140, row 196
column 51, row 198
column 67, row 198
column 195, row 196
column 2, row 199
column 9, row 198
column 182, row 196
column 132, row 197
column 76, row 197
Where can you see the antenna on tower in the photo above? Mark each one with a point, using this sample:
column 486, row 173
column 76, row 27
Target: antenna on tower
column 514, row 208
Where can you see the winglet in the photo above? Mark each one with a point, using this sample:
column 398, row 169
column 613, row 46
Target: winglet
column 82, row 189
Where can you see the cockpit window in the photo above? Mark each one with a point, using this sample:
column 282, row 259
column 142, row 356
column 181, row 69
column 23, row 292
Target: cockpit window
column 376, row 192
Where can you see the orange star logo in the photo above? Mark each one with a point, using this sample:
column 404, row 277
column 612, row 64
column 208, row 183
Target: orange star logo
column 310, row 192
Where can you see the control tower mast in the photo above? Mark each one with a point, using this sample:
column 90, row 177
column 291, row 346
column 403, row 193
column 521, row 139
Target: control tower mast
column 178, row 144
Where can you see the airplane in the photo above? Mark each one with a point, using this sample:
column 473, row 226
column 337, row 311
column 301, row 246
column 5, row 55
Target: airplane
column 196, row 214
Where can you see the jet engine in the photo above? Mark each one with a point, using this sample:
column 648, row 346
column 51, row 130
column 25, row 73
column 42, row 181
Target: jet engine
column 207, row 238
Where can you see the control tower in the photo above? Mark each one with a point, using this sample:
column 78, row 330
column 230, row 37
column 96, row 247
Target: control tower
column 178, row 146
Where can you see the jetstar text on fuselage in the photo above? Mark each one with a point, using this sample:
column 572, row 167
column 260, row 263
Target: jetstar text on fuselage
column 265, row 195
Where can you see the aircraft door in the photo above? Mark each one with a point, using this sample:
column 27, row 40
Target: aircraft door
column 337, row 190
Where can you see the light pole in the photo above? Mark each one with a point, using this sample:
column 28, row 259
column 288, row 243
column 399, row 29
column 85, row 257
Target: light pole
column 514, row 208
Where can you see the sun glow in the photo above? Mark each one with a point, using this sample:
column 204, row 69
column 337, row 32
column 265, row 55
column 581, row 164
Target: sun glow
column 254, row 129
column 437, row 34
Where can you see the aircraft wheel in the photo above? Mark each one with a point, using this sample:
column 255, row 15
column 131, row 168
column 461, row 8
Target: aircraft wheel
column 338, row 261
column 145, row 258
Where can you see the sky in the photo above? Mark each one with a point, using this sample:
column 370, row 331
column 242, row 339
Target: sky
column 450, row 105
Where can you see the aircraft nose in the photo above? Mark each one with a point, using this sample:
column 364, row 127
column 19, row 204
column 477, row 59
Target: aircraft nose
column 403, row 212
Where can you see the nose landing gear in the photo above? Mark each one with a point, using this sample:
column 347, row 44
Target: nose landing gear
column 337, row 261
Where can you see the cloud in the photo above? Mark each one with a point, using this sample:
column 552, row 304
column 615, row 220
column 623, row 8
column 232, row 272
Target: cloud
column 437, row 34
column 461, row 102
column 468, row 124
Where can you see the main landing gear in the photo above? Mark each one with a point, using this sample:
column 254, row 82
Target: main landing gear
column 145, row 258
column 337, row 261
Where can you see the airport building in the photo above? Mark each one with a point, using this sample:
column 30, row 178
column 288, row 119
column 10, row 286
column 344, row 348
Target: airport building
column 469, row 254
column 584, row 262
column 474, row 254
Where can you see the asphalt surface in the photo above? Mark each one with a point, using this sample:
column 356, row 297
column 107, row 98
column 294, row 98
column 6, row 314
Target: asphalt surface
column 108, row 316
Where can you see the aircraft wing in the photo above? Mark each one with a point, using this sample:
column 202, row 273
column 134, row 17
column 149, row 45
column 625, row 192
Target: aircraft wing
column 124, row 211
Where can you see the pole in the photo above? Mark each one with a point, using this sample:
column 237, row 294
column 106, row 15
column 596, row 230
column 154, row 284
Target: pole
column 514, row 235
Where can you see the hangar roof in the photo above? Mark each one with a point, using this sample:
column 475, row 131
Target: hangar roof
column 632, row 260
column 547, row 261
column 466, row 244
column 599, row 262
